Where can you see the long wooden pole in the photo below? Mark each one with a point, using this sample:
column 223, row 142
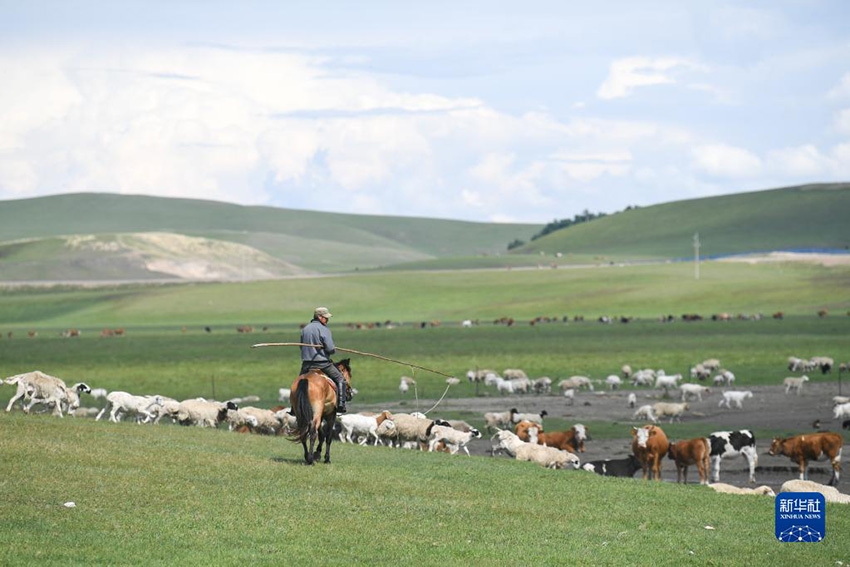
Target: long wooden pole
column 357, row 352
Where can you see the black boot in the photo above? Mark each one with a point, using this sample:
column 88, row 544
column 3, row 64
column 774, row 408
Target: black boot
column 341, row 396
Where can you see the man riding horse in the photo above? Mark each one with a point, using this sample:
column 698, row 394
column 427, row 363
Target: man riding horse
column 318, row 333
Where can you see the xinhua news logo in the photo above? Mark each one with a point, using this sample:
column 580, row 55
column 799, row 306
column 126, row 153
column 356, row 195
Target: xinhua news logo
column 800, row 517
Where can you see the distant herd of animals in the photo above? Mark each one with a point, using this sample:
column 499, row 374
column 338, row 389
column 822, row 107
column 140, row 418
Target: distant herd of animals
column 506, row 321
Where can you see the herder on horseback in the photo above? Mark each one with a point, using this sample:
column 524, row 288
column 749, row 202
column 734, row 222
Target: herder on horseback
column 318, row 333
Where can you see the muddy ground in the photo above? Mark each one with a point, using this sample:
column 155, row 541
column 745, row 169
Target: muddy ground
column 769, row 408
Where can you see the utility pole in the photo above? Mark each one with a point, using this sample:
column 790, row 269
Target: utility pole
column 696, row 255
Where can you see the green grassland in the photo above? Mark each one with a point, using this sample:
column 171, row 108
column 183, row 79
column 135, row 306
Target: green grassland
column 642, row 291
column 811, row 216
column 174, row 495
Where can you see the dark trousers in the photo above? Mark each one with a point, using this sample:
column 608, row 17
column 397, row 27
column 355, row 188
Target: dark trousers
column 331, row 370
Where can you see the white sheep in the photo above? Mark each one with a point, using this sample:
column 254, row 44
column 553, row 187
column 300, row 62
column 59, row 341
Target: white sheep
column 735, row 396
column 700, row 372
column 162, row 406
column 203, row 413
column 453, row 438
column 542, row 385
column 548, row 457
column 671, row 410
column 480, row 375
column 729, row 489
column 290, row 422
column 842, row 411
column 796, row 384
column 632, row 400
column 267, row 421
column 387, row 432
column 570, row 395
column 414, row 429
column 645, row 412
column 665, row 382
column 521, row 385
column 830, row 493
column 532, row 417
column 724, row 377
column 576, row 382
column 505, row 387
column 643, row 377
column 711, row 364
column 796, row 364
column 452, row 381
column 626, row 371
column 838, row 400
column 512, row 373
column 118, row 402
column 693, row 391
column 613, row 381
column 355, row 425
column 497, row 420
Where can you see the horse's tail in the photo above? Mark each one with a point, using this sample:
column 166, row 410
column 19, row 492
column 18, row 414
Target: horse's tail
column 303, row 411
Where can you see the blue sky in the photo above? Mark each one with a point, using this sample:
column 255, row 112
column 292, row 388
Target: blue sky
column 478, row 110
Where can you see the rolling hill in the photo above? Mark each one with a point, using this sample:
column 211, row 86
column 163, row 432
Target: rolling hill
column 803, row 217
column 34, row 243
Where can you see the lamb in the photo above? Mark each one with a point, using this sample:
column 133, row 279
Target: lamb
column 576, row 382
column 160, row 407
column 796, row 364
column 645, row 412
column 452, row 381
column 737, row 397
column 241, row 421
column 512, row 373
column 838, row 400
column 414, row 429
column 203, row 413
column 724, row 378
column 542, row 385
column 521, row 385
column 693, row 391
column 711, row 364
column 830, row 493
column 729, row 489
column 267, row 421
column 532, row 417
column 842, row 411
column 528, row 431
column 632, row 399
column 284, row 395
column 548, row 457
column 41, row 388
column 626, row 371
column 505, row 387
column 497, row 420
column 794, row 384
column 700, row 372
column 643, row 377
column 117, row 402
column 354, row 425
column 454, row 439
column 666, row 382
column 481, row 376
column 613, row 381
column 673, row 411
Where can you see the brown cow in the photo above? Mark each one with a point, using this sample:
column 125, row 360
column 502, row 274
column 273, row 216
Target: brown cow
column 804, row 448
column 649, row 446
column 572, row 440
column 690, row 452
column 523, row 428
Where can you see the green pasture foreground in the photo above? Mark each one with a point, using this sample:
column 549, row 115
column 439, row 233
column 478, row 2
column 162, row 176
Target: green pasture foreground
column 642, row 291
column 183, row 365
column 174, row 495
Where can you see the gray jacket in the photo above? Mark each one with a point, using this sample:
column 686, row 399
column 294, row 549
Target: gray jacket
column 317, row 334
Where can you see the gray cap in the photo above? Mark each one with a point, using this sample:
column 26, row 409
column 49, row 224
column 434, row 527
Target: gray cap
column 322, row 312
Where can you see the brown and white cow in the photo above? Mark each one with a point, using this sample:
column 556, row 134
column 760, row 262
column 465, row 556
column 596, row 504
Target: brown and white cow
column 649, row 445
column 804, row 448
column 691, row 452
column 572, row 440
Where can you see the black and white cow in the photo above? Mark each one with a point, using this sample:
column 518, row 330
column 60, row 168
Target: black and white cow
column 726, row 444
column 614, row 467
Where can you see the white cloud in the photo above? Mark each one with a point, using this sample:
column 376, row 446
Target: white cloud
column 721, row 160
column 803, row 161
column 625, row 75
column 841, row 90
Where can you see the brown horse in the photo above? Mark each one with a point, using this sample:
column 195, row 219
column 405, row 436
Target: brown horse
column 313, row 400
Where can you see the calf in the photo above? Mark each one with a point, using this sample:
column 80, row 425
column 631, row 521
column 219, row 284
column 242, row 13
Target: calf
column 614, row 467
column 690, row 452
column 804, row 448
column 649, row 445
column 726, row 444
column 572, row 440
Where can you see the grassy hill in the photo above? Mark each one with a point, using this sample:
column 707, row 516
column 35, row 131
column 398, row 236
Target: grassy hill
column 313, row 241
column 809, row 216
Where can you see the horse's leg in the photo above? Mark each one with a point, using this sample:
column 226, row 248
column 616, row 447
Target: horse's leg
column 307, row 454
column 316, row 431
column 329, row 429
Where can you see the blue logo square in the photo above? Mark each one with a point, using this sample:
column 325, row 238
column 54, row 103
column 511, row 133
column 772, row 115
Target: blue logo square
column 800, row 517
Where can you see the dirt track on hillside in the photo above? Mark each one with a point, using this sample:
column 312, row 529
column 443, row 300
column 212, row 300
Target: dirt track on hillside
column 769, row 408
